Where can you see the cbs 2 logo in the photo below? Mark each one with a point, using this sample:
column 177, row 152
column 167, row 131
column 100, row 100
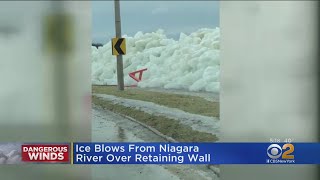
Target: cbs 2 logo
column 274, row 151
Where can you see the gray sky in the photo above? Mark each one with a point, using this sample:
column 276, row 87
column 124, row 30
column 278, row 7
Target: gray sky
column 172, row 16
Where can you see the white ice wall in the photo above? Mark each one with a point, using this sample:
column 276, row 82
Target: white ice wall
column 190, row 63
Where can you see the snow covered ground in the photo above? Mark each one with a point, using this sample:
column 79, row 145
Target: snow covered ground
column 108, row 126
column 190, row 63
column 209, row 96
column 197, row 122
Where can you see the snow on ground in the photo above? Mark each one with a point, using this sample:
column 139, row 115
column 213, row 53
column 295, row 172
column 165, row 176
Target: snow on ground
column 105, row 129
column 209, row 96
column 191, row 63
column 197, row 122
column 111, row 127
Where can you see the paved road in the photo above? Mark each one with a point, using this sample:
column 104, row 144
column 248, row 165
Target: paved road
column 110, row 127
column 106, row 130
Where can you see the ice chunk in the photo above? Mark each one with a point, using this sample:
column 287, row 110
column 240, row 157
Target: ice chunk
column 191, row 63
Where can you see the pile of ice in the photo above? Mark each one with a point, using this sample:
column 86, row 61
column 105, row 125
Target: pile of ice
column 191, row 63
column 10, row 153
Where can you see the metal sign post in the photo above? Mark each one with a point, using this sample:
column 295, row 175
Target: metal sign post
column 118, row 35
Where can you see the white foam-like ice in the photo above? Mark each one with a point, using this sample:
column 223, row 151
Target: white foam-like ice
column 190, row 63
column 10, row 153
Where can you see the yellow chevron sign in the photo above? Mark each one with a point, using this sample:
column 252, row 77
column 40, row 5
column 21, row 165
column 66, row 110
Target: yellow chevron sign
column 118, row 46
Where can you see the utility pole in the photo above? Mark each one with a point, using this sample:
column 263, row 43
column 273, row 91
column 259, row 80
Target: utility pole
column 118, row 35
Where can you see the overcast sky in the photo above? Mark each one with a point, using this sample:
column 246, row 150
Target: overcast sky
column 172, row 16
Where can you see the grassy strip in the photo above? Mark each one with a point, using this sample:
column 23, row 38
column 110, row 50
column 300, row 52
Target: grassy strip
column 169, row 127
column 191, row 104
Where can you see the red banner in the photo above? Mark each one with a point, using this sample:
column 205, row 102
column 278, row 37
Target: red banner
column 50, row 153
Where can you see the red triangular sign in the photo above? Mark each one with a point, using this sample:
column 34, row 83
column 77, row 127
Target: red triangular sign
column 133, row 74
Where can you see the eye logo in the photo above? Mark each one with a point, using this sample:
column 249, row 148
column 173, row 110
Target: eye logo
column 274, row 151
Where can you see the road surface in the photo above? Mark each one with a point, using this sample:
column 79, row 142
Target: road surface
column 110, row 127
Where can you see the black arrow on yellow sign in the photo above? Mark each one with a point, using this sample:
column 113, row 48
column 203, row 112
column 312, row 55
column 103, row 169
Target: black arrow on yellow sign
column 118, row 46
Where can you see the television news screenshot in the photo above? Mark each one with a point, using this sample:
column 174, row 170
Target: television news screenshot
column 159, row 90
